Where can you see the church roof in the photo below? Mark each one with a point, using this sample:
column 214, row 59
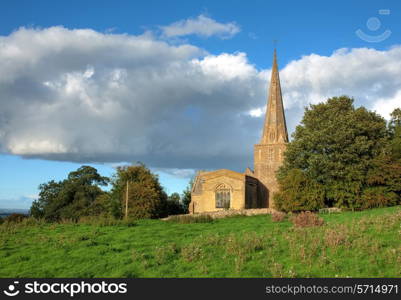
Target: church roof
column 222, row 172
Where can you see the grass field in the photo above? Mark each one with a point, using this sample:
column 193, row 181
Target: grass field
column 350, row 244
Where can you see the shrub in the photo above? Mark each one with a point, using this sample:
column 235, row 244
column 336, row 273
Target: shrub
column 307, row 219
column 15, row 218
column 186, row 219
column 278, row 216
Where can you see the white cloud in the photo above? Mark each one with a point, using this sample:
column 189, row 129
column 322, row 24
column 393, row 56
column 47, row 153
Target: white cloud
column 257, row 112
column 179, row 173
column 85, row 96
column 385, row 106
column 368, row 75
column 80, row 95
column 202, row 26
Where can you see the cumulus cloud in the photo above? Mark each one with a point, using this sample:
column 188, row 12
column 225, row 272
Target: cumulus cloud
column 202, row 26
column 85, row 96
column 368, row 75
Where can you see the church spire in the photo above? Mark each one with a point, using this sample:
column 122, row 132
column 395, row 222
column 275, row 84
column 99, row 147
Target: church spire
column 274, row 129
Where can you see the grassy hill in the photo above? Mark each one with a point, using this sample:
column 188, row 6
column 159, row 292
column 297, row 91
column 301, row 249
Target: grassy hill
column 350, row 244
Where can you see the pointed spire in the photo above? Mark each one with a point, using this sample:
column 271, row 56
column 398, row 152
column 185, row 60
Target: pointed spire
column 275, row 128
column 275, row 67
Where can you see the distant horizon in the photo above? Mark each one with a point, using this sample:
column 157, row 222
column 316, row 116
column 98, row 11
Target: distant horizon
column 2, row 209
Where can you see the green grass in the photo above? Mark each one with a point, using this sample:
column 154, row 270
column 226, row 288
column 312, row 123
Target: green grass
column 350, row 244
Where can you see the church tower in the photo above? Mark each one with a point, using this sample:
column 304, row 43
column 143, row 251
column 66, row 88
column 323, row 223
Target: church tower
column 268, row 154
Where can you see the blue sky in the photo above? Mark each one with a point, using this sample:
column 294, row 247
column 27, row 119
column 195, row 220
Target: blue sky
column 229, row 42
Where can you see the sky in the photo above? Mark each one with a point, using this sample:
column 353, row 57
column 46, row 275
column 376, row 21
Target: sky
column 178, row 85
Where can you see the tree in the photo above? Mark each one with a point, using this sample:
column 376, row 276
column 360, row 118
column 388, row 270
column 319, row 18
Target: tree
column 174, row 205
column 70, row 198
column 299, row 193
column 395, row 134
column 146, row 197
column 384, row 177
column 186, row 196
column 105, row 205
column 334, row 149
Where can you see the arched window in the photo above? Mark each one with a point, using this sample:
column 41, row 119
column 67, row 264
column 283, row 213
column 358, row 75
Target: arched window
column 223, row 196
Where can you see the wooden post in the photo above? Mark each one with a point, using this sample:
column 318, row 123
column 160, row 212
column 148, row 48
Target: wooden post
column 126, row 203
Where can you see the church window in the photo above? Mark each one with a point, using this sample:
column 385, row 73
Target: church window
column 223, row 198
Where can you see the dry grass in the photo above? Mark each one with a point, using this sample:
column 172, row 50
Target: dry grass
column 278, row 216
column 337, row 236
column 191, row 252
column 306, row 219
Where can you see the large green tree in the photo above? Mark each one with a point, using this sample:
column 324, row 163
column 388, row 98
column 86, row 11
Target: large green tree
column 139, row 190
column 71, row 198
column 333, row 155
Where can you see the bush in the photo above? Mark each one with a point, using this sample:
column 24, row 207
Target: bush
column 307, row 219
column 278, row 216
column 15, row 218
column 186, row 219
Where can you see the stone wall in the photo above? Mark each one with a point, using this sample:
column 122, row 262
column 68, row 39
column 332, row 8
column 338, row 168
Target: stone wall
column 235, row 212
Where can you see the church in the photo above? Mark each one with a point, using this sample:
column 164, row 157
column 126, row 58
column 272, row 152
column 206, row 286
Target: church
column 226, row 189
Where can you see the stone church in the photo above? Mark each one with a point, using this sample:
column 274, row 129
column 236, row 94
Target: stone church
column 226, row 189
